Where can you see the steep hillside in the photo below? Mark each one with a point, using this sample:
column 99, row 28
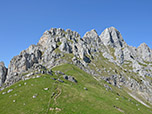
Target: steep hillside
column 111, row 72
column 45, row 95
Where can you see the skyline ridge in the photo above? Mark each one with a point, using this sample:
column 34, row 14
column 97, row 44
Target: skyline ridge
column 112, row 27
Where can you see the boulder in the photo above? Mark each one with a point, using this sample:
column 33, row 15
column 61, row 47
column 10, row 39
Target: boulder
column 60, row 80
column 65, row 77
column 70, row 78
column 85, row 88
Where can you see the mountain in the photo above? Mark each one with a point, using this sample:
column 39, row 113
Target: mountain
column 102, row 73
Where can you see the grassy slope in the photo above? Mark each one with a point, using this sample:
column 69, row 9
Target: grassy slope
column 69, row 97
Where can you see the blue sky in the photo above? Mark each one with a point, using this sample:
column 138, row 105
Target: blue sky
column 22, row 22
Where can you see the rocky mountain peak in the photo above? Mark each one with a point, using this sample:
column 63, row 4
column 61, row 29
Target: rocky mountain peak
column 97, row 55
column 92, row 34
column 92, row 38
column 112, row 37
column 143, row 45
column 145, row 52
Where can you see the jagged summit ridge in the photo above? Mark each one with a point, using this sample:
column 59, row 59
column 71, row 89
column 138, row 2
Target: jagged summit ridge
column 68, row 41
column 56, row 34
column 58, row 46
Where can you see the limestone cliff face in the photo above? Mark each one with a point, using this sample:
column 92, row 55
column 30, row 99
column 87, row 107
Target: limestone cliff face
column 144, row 52
column 112, row 37
column 93, row 53
column 24, row 60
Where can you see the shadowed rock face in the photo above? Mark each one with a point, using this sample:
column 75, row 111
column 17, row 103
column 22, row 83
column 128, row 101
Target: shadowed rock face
column 3, row 73
column 24, row 60
column 58, row 46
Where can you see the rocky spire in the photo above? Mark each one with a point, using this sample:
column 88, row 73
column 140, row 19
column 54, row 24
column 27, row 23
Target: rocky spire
column 144, row 52
column 91, row 37
column 112, row 37
column 91, row 34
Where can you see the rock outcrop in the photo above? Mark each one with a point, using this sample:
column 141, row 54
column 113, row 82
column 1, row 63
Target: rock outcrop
column 3, row 73
column 24, row 61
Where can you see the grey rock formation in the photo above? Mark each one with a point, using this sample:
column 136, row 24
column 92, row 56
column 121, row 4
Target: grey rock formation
column 112, row 37
column 60, row 80
column 24, row 60
column 144, row 52
column 65, row 47
column 70, row 78
column 105, row 57
column 3, row 73
column 113, row 40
